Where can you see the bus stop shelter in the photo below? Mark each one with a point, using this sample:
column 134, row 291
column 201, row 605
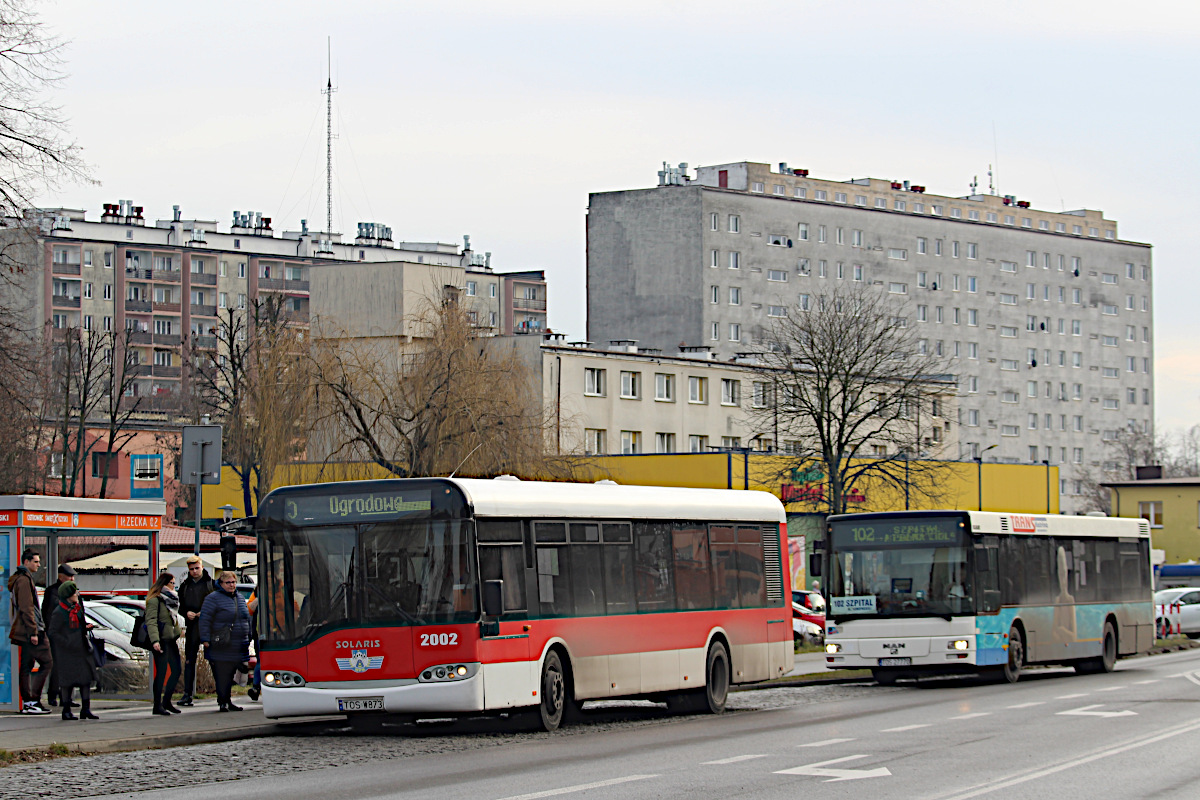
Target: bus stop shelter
column 43, row 523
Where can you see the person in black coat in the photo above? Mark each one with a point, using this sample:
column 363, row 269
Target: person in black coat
column 225, row 635
column 76, row 666
column 49, row 603
column 192, row 591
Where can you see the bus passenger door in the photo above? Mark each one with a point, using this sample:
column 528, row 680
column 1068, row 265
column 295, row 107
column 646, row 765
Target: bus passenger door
column 509, row 677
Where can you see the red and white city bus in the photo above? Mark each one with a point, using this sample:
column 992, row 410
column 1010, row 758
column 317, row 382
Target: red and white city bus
column 450, row 596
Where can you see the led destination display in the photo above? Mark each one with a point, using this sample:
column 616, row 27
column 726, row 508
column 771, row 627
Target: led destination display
column 913, row 531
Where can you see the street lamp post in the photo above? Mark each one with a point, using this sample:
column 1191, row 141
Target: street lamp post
column 979, row 472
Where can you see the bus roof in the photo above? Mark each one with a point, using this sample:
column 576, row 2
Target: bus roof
column 507, row 497
column 1029, row 524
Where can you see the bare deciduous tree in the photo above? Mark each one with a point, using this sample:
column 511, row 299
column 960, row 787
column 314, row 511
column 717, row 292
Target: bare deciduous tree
column 847, row 387
column 116, row 409
column 78, row 370
column 451, row 402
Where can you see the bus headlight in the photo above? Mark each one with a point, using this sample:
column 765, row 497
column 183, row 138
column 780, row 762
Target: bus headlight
column 959, row 644
column 833, row 647
column 281, row 679
column 443, row 673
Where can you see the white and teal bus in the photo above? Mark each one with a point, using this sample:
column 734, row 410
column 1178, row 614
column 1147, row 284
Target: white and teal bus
column 918, row 593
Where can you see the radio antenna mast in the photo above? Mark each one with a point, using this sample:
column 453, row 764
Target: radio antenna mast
column 328, row 92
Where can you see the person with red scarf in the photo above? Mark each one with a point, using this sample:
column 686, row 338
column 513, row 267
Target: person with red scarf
column 76, row 665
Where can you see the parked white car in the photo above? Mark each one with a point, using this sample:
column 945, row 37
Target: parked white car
column 1178, row 611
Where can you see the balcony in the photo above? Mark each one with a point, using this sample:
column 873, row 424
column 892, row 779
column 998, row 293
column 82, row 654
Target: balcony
column 142, row 306
column 205, row 342
column 296, row 316
column 166, row 275
column 162, row 371
column 169, row 308
column 65, row 269
column 138, row 274
column 140, row 369
column 272, row 283
column 63, row 301
column 167, row 401
column 203, row 279
column 529, row 305
column 139, row 337
column 203, row 311
column 167, row 339
column 296, row 286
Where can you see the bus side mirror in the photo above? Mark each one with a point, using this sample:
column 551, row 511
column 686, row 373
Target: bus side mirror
column 493, row 598
column 814, row 564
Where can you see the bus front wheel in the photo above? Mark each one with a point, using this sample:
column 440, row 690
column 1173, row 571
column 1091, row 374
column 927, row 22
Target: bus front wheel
column 553, row 688
column 1016, row 656
column 885, row 677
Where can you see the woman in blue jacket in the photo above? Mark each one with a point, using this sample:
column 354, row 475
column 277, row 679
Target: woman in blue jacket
column 225, row 636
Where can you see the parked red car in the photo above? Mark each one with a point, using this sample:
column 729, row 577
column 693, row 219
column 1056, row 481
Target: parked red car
column 808, row 617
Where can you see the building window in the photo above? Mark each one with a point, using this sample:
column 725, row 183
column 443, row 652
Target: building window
column 756, row 187
column 777, row 275
column 858, row 272
column 631, row 442
column 1152, row 512
column 731, row 392
column 594, row 382
column 471, row 287
column 735, row 332
column 664, row 387
column 922, row 245
column 897, row 254
column 776, row 311
column 735, row 296
column 802, row 232
column 714, row 332
column 1010, row 430
column 735, row 260
column 714, row 294
column 715, row 221
column 664, row 442
column 631, row 385
column 697, row 444
column 697, row 390
column 595, row 441
column 972, row 250
column 735, row 223
column 898, row 288
column 731, row 442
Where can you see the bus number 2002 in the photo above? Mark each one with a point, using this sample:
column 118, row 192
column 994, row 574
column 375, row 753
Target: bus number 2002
column 435, row 639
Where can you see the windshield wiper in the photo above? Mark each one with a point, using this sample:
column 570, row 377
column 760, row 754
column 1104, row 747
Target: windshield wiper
column 399, row 608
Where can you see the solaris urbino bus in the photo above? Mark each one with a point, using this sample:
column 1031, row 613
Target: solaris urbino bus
column 932, row 592
column 447, row 596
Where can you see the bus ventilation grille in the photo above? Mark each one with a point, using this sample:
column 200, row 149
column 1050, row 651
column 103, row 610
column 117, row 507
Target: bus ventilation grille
column 772, row 565
column 1004, row 524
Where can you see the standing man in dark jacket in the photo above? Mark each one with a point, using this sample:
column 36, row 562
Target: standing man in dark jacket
column 49, row 603
column 28, row 632
column 195, row 587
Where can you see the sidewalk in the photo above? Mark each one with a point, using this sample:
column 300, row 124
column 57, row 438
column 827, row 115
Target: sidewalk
column 129, row 725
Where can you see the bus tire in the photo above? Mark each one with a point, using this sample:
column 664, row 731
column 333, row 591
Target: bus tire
column 553, row 692
column 885, row 677
column 716, row 678
column 1107, row 660
column 1011, row 671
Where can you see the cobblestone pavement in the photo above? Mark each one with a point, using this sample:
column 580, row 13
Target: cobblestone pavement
column 321, row 747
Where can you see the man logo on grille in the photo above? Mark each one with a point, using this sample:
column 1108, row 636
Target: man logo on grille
column 359, row 662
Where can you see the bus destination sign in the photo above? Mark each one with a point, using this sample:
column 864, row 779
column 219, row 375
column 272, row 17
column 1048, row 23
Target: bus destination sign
column 356, row 508
column 911, row 531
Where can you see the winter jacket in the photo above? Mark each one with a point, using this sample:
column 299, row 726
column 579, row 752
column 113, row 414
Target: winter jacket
column 50, row 601
column 72, row 651
column 160, row 622
column 222, row 610
column 26, row 613
column 192, row 594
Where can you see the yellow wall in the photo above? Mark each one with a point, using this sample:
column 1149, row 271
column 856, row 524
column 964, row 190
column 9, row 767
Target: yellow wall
column 1179, row 535
column 1006, row 487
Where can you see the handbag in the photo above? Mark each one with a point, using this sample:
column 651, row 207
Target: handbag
column 140, row 637
column 222, row 637
column 99, row 656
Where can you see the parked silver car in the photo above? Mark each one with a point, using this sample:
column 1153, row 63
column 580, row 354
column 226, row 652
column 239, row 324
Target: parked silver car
column 126, row 667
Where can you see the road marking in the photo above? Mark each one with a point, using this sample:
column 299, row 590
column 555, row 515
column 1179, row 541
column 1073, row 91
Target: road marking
column 1085, row 711
column 733, row 759
column 825, row 742
column 903, row 728
column 1192, row 677
column 1179, row 675
column 582, row 787
column 973, row 715
column 1111, row 689
column 1143, row 683
column 1005, row 783
column 1071, row 696
column 1029, row 705
column 820, row 770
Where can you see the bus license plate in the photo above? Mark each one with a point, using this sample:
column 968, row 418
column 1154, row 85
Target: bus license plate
column 360, row 704
column 895, row 662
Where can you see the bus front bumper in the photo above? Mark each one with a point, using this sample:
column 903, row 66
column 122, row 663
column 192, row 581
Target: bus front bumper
column 931, row 653
column 401, row 696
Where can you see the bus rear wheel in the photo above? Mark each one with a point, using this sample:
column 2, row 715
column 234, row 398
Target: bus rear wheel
column 1011, row 671
column 711, row 699
column 553, row 688
column 1107, row 660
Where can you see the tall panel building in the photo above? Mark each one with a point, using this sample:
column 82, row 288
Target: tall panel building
column 1045, row 317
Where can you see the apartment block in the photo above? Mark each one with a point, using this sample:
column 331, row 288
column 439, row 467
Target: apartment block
column 170, row 280
column 1044, row 317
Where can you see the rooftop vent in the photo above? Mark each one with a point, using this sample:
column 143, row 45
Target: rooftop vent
column 623, row 345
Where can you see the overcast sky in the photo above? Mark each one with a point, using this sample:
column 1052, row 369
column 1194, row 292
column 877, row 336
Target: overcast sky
column 497, row 119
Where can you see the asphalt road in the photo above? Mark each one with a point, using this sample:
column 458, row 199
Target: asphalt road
column 1130, row 734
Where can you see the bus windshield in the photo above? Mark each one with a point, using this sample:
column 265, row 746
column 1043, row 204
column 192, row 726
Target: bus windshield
column 320, row 578
column 905, row 567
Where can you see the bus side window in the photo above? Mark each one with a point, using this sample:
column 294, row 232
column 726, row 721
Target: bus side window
column 752, row 588
column 1085, row 588
column 1107, row 572
column 986, row 589
column 1041, row 570
column 587, row 569
column 693, row 576
column 505, row 563
column 618, row 568
column 652, row 566
column 554, row 579
column 1012, row 571
column 723, row 541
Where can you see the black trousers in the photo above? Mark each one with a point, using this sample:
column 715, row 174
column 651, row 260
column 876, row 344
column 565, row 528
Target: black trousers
column 166, row 672
column 223, row 672
column 31, row 684
column 191, row 651
column 85, row 698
